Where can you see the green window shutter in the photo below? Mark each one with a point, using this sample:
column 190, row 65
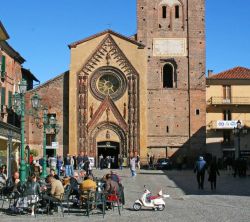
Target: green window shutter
column 10, row 99
column 3, row 96
column 3, row 66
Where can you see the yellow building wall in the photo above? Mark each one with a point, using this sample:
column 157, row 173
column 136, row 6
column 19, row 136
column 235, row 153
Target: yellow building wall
column 214, row 90
column 79, row 56
column 240, row 90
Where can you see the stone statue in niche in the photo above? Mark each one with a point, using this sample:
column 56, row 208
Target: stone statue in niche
column 107, row 113
column 124, row 110
column 91, row 110
column 108, row 59
column 107, row 135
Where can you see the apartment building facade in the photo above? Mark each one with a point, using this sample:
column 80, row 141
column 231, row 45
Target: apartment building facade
column 228, row 105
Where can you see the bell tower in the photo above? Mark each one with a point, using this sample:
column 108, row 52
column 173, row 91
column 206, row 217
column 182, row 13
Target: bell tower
column 173, row 32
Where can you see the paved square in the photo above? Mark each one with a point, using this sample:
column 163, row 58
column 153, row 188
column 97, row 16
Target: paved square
column 231, row 201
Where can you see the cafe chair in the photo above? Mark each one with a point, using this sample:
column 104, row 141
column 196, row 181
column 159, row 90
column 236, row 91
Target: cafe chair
column 114, row 200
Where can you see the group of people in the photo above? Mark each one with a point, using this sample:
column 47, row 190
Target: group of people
column 200, row 168
column 64, row 166
column 54, row 187
column 105, row 162
column 234, row 167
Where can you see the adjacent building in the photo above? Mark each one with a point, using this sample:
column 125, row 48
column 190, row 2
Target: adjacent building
column 228, row 102
column 11, row 73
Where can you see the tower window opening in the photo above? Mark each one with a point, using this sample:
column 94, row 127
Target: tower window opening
column 177, row 11
column 168, row 76
column 164, row 11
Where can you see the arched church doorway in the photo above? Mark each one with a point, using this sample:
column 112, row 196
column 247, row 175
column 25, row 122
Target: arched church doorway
column 110, row 151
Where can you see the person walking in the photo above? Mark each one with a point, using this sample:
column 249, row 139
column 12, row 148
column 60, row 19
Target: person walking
column 75, row 162
column 100, row 160
column 133, row 166
column 59, row 165
column 72, row 163
column 67, row 163
column 120, row 161
column 79, row 161
column 199, row 169
column 213, row 171
column 138, row 162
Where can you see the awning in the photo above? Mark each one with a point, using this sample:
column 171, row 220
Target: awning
column 13, row 140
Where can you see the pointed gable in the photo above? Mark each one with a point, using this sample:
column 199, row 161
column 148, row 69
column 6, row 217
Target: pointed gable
column 110, row 105
column 74, row 44
column 109, row 47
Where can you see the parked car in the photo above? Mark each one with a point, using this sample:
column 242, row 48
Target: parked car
column 164, row 164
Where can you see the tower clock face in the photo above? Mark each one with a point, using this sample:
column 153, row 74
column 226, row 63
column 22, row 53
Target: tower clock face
column 108, row 81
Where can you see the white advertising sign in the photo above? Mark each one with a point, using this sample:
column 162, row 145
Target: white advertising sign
column 55, row 145
column 92, row 161
column 229, row 124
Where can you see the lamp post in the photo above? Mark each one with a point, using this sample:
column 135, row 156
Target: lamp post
column 238, row 130
column 47, row 123
column 10, row 145
column 19, row 106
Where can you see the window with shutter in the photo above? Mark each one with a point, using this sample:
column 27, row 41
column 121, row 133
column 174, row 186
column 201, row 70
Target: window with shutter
column 3, row 96
column 10, row 99
column 3, row 65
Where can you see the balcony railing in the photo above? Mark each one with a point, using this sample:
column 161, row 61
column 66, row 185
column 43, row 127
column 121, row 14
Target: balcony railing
column 227, row 124
column 230, row 101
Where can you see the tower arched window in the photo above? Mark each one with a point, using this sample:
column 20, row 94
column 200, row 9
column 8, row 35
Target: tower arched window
column 168, row 76
column 164, row 11
column 177, row 11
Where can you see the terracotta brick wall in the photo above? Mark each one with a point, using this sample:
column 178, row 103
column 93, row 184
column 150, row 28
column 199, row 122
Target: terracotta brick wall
column 170, row 107
column 54, row 94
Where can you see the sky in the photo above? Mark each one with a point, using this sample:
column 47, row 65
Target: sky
column 40, row 30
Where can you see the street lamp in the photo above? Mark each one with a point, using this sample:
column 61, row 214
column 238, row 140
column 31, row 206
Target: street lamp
column 238, row 130
column 47, row 123
column 19, row 106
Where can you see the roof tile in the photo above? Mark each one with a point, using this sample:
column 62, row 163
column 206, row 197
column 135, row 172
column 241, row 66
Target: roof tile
column 234, row 73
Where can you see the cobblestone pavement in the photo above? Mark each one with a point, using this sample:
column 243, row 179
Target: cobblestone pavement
column 231, row 201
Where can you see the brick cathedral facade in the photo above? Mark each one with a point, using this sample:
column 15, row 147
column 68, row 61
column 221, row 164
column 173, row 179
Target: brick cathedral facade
column 136, row 95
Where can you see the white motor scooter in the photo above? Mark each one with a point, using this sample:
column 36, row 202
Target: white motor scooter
column 149, row 201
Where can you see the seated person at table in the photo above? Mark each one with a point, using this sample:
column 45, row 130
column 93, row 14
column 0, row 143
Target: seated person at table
column 88, row 184
column 3, row 176
column 115, row 177
column 56, row 192
column 74, row 184
column 82, row 175
column 111, row 186
column 53, row 174
column 32, row 191
column 12, row 184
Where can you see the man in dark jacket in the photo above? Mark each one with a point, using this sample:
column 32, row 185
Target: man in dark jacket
column 200, row 167
column 67, row 163
column 12, row 184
